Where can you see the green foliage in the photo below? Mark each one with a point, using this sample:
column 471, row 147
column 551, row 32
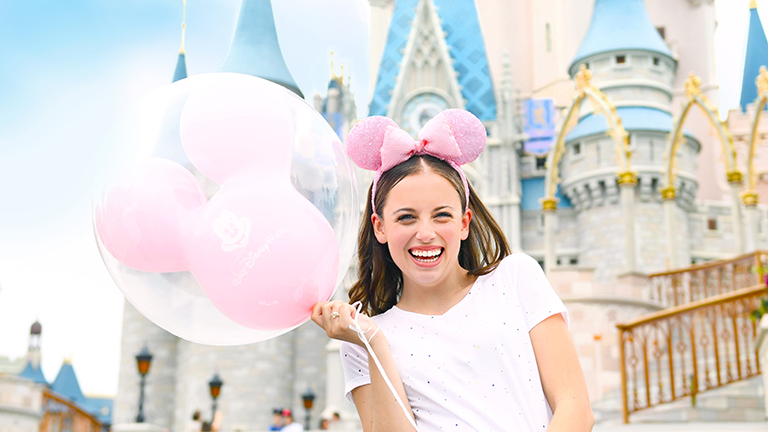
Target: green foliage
column 760, row 311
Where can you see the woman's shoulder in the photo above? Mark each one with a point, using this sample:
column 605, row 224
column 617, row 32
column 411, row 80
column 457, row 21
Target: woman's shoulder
column 518, row 261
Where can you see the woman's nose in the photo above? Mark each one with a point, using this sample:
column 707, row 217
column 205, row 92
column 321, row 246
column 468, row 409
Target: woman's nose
column 425, row 232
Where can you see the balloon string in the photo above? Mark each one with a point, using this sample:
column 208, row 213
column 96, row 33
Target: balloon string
column 361, row 334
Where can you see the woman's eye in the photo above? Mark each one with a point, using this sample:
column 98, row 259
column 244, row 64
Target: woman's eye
column 404, row 217
column 444, row 215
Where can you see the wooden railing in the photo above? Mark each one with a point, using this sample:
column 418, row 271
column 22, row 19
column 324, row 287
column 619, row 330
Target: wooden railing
column 688, row 349
column 678, row 287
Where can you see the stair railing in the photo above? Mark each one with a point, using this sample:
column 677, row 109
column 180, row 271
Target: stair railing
column 690, row 348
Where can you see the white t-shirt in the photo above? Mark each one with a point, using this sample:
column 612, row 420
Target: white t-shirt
column 293, row 427
column 472, row 368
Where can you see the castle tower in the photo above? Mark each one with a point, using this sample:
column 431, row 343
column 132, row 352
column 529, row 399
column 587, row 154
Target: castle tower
column 255, row 49
column 634, row 68
column 181, row 64
column 434, row 58
column 756, row 56
column 32, row 370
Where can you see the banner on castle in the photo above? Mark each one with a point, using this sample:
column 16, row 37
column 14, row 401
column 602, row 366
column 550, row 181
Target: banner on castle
column 540, row 125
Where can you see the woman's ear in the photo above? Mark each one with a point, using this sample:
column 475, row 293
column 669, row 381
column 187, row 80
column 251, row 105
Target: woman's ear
column 465, row 220
column 377, row 229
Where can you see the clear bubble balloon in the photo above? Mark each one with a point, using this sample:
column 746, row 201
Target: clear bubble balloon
column 228, row 209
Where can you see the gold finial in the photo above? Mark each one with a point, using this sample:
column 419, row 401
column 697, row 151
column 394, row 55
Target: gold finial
column 341, row 77
column 183, row 27
column 583, row 78
column 734, row 177
column 549, row 204
column 68, row 359
column 333, row 69
column 627, row 178
column 762, row 80
column 749, row 198
column 668, row 193
column 692, row 85
column 753, row 4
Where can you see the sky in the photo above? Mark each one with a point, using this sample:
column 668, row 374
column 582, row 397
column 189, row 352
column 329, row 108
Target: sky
column 67, row 71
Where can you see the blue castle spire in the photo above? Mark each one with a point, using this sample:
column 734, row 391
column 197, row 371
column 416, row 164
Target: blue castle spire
column 181, row 64
column 66, row 384
column 619, row 25
column 255, row 49
column 756, row 56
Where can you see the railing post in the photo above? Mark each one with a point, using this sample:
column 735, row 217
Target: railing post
column 695, row 378
column 623, row 364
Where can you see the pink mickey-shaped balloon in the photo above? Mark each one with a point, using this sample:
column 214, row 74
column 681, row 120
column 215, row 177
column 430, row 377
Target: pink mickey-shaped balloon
column 264, row 257
column 229, row 127
column 143, row 220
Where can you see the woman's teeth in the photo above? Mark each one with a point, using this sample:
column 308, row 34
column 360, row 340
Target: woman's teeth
column 427, row 256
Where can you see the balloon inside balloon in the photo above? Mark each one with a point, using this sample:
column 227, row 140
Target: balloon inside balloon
column 229, row 211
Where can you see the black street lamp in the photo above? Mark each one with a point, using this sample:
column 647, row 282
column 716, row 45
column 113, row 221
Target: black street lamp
column 309, row 399
column 215, row 386
column 143, row 359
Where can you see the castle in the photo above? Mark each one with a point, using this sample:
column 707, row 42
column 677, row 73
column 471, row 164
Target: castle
column 572, row 200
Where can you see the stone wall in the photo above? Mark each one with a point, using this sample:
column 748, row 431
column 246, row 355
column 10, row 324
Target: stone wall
column 20, row 404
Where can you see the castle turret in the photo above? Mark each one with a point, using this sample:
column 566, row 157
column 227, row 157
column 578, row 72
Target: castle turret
column 630, row 63
column 255, row 49
column 32, row 370
column 181, row 64
column 756, row 56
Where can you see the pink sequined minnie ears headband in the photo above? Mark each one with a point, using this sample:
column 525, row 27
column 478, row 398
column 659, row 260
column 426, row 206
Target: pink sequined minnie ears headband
column 378, row 144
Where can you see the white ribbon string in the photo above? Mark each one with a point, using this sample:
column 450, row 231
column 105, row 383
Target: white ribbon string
column 361, row 334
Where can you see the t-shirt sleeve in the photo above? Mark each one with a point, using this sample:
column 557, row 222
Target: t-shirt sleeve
column 354, row 359
column 537, row 298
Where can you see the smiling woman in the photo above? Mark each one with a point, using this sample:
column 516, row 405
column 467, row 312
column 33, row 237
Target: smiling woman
column 468, row 336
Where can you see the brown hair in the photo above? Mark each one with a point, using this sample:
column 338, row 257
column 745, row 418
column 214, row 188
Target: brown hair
column 380, row 281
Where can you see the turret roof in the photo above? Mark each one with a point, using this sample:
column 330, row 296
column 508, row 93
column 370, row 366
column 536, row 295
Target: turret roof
column 619, row 25
column 255, row 49
column 66, row 383
column 33, row 373
column 756, row 56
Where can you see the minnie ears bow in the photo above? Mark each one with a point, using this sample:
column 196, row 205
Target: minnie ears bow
column 378, row 144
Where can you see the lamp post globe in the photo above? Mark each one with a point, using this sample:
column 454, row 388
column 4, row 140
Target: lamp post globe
column 143, row 361
column 309, row 399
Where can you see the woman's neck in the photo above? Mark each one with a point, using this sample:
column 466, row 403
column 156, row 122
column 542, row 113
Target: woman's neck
column 439, row 298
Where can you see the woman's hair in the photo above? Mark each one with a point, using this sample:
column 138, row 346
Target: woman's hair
column 380, row 281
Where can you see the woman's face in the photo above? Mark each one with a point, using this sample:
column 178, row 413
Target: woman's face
column 423, row 223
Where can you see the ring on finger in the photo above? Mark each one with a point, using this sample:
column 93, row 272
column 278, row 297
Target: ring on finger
column 334, row 315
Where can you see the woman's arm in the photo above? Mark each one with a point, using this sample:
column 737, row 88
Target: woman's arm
column 561, row 376
column 377, row 407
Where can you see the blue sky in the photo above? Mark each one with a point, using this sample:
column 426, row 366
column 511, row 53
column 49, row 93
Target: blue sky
column 68, row 69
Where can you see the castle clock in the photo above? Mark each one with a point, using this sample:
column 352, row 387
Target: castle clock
column 419, row 110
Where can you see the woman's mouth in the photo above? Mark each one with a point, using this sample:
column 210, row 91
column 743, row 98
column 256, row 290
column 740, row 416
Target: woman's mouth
column 426, row 256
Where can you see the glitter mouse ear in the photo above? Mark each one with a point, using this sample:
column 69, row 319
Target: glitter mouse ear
column 365, row 139
column 468, row 132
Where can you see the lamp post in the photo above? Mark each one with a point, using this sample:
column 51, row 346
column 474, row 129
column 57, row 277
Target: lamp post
column 215, row 386
column 143, row 359
column 309, row 398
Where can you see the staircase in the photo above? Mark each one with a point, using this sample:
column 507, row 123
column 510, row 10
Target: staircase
column 700, row 347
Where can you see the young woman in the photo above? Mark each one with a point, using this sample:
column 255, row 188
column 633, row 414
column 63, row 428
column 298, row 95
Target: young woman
column 472, row 338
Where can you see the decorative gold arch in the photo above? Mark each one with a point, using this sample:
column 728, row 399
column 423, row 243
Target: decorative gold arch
column 750, row 195
column 693, row 96
column 601, row 105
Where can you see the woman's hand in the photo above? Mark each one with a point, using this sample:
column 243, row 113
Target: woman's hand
column 336, row 317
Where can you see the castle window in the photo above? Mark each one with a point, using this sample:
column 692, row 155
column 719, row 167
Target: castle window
column 712, row 224
column 577, row 148
column 549, row 38
column 662, row 32
column 656, row 61
column 621, row 59
column 541, row 163
column 574, row 261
